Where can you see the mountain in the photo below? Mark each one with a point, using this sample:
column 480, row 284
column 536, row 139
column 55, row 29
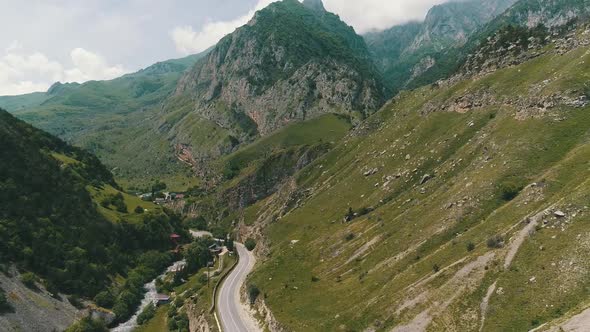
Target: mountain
column 549, row 15
column 66, row 228
column 292, row 62
column 403, row 53
column 100, row 115
column 458, row 206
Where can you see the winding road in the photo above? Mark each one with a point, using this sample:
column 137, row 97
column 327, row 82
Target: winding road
column 233, row 314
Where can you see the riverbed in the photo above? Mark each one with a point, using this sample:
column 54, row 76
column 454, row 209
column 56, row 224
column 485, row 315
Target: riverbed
column 148, row 298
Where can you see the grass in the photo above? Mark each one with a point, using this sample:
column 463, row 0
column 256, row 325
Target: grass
column 98, row 194
column 64, row 159
column 471, row 156
column 324, row 129
column 157, row 324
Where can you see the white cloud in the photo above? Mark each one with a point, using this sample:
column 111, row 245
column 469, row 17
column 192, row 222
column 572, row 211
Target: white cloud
column 23, row 73
column 363, row 15
column 369, row 15
column 89, row 66
column 189, row 41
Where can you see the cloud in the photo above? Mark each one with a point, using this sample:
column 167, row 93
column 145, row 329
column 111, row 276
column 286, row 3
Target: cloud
column 24, row 73
column 89, row 66
column 189, row 41
column 363, row 15
column 370, row 15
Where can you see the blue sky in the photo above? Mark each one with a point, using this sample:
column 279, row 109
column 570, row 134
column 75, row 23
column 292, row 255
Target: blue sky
column 78, row 40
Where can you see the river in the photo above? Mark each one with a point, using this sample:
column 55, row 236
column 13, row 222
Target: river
column 149, row 297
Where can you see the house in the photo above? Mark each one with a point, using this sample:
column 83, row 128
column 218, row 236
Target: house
column 179, row 196
column 161, row 299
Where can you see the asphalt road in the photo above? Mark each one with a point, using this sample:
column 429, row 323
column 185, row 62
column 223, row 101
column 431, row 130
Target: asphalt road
column 232, row 314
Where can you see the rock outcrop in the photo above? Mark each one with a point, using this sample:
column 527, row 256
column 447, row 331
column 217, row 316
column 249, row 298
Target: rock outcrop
column 290, row 63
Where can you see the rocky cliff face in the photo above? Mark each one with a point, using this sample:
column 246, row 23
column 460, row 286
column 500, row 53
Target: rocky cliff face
column 291, row 62
column 403, row 51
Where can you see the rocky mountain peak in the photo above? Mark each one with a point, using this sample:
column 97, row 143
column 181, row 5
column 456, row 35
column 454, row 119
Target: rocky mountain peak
column 285, row 66
column 316, row 5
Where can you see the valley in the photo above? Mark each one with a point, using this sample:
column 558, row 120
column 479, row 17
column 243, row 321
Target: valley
column 298, row 176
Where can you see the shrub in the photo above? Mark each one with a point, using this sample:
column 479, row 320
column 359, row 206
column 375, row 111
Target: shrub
column 435, row 268
column 470, row 246
column 203, row 278
column 105, row 202
column 28, row 279
column 158, row 186
column 495, row 242
column 52, row 288
column 315, row 279
column 253, row 293
column 4, row 305
column 509, row 191
column 349, row 236
column 104, row 299
column 139, row 210
column 121, row 310
column 148, row 313
column 119, row 202
column 75, row 301
column 182, row 323
column 250, row 244
column 172, row 325
column 88, row 324
column 349, row 215
column 198, row 223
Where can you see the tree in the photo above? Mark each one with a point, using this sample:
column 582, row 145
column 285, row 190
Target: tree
column 104, row 299
column 119, row 202
column 158, row 186
column 253, row 293
column 139, row 210
column 250, row 244
column 199, row 223
column 198, row 255
column 121, row 309
column 230, row 244
column 470, row 246
column 148, row 313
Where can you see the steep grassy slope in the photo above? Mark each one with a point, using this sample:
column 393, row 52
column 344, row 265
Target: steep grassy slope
column 457, row 192
column 260, row 169
column 117, row 120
